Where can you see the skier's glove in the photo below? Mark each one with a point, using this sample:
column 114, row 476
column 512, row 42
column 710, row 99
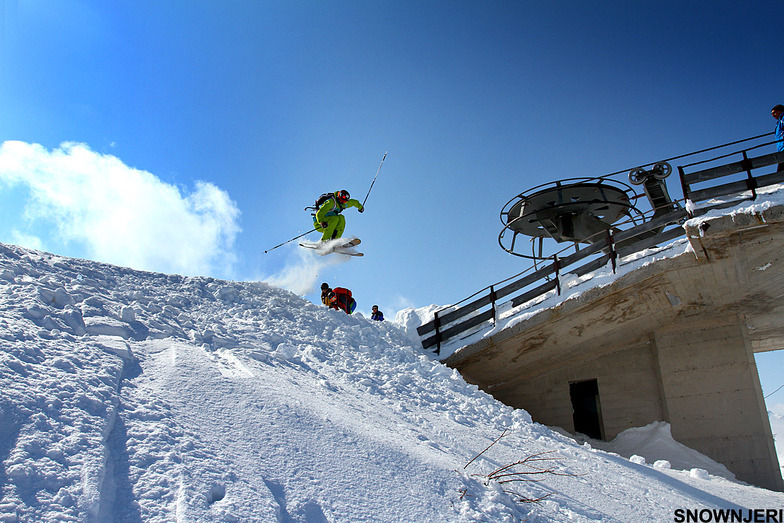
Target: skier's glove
column 361, row 209
column 323, row 225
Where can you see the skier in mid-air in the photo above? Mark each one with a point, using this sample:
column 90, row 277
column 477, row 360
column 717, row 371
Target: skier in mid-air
column 328, row 220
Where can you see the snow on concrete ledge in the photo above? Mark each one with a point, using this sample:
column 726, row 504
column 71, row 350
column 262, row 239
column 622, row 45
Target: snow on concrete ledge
column 578, row 290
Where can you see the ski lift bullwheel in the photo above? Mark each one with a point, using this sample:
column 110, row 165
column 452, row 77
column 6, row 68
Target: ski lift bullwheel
column 578, row 210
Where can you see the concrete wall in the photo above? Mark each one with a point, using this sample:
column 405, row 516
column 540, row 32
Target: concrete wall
column 672, row 341
column 713, row 396
column 628, row 389
column 699, row 376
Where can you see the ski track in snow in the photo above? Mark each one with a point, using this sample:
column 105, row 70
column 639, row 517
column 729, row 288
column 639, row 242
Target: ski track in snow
column 131, row 396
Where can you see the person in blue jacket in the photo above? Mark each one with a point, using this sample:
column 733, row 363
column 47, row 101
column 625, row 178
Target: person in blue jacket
column 376, row 314
column 778, row 113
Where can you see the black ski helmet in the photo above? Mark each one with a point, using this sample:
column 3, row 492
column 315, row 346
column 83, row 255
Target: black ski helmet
column 324, row 286
column 343, row 196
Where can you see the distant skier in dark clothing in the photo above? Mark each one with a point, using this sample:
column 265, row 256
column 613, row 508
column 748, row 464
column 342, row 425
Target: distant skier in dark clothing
column 325, row 292
column 778, row 113
column 376, row 314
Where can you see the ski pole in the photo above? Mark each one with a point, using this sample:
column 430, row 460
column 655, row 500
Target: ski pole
column 374, row 178
column 291, row 240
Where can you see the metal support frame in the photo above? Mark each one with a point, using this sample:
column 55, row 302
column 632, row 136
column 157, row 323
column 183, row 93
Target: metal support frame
column 437, row 323
column 613, row 254
column 751, row 182
column 492, row 302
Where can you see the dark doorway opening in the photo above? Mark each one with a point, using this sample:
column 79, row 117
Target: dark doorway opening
column 586, row 409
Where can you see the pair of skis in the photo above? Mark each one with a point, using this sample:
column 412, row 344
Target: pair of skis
column 339, row 246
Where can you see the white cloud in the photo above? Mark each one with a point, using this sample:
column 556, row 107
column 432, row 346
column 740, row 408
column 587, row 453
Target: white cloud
column 401, row 302
column 123, row 215
column 27, row 240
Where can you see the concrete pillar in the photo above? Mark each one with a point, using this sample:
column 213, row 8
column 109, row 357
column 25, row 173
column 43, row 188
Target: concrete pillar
column 713, row 397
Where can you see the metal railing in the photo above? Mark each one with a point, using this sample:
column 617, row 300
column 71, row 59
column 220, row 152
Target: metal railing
column 617, row 242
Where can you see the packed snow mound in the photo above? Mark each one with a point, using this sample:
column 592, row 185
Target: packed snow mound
column 410, row 319
column 654, row 443
column 130, row 396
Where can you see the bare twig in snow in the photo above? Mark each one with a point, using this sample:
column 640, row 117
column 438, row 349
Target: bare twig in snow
column 487, row 448
column 508, row 473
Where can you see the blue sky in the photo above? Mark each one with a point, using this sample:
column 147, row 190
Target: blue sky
column 200, row 130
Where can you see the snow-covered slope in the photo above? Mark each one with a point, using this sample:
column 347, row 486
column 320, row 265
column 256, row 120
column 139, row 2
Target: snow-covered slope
column 131, row 396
